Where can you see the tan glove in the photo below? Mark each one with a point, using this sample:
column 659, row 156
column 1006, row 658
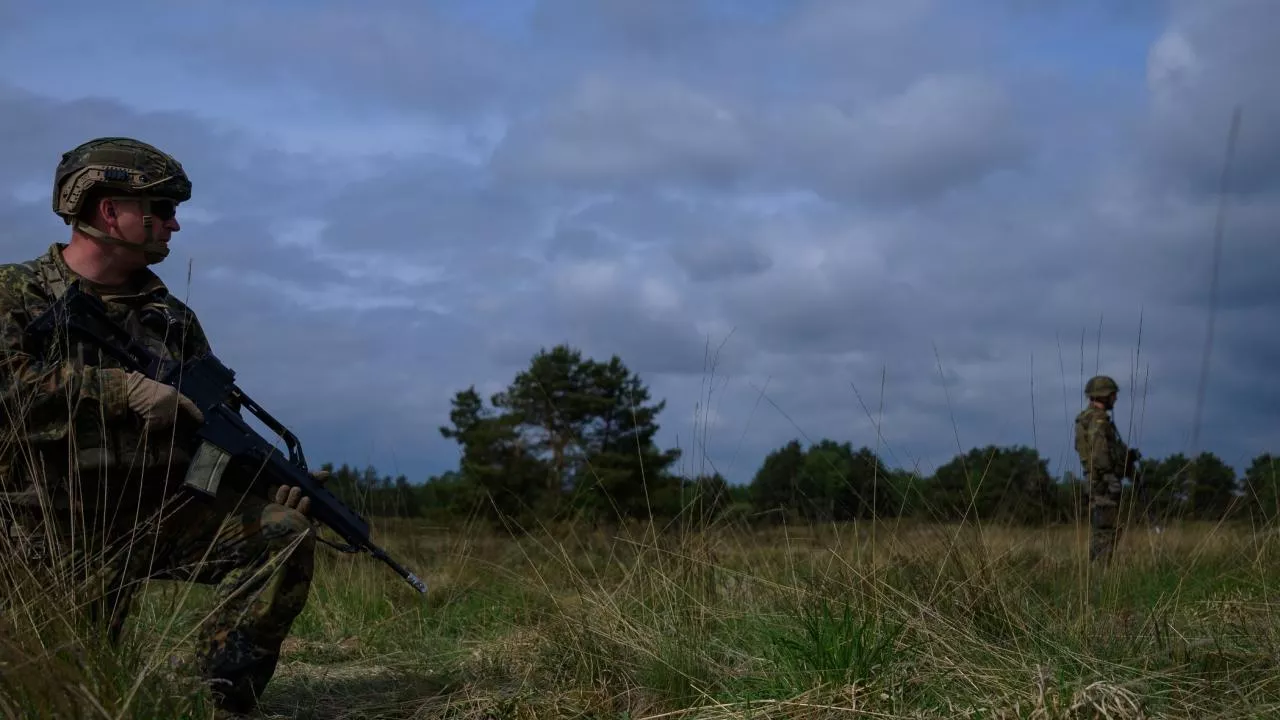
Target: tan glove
column 292, row 496
column 156, row 402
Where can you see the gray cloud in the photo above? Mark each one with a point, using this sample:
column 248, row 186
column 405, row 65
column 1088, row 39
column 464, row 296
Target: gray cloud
column 619, row 131
column 1206, row 62
column 410, row 52
column 939, row 132
column 577, row 243
column 721, row 258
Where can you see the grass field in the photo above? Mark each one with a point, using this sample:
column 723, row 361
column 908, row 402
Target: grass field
column 896, row 620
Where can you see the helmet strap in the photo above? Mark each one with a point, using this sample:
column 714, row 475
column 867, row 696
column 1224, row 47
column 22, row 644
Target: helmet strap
column 153, row 250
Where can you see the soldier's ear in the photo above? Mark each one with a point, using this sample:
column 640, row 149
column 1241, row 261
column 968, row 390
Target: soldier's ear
column 106, row 209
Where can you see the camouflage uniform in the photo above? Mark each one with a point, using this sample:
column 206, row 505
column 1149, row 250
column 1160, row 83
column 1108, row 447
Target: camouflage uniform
column 84, row 478
column 1104, row 457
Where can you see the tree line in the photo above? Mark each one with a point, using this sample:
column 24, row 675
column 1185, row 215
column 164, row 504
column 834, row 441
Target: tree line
column 572, row 438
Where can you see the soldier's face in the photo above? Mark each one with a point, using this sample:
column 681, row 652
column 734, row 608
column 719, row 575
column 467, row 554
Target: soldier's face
column 127, row 221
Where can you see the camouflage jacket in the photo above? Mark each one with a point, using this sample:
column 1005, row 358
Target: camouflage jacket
column 1098, row 443
column 65, row 418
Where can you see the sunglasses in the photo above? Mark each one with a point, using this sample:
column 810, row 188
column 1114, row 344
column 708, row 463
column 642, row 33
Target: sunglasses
column 164, row 209
column 161, row 208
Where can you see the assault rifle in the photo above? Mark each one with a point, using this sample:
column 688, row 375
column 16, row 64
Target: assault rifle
column 226, row 439
column 1133, row 470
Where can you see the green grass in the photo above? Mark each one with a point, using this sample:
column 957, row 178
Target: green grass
column 808, row 622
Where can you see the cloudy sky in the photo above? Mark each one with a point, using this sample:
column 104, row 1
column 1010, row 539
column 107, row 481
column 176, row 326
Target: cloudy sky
column 399, row 198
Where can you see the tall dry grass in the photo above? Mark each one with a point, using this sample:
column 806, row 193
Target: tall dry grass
column 56, row 657
column 921, row 621
column 895, row 620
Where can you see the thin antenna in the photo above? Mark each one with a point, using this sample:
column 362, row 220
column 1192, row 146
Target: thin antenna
column 1219, row 223
column 1035, row 436
column 1097, row 352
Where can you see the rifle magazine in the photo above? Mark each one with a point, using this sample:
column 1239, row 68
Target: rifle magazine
column 204, row 475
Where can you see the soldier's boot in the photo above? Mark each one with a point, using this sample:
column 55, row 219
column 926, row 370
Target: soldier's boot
column 271, row 550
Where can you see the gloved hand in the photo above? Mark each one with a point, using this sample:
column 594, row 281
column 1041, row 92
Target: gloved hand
column 156, row 402
column 292, row 496
column 1132, row 460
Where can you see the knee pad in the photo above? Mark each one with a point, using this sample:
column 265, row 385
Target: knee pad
column 282, row 526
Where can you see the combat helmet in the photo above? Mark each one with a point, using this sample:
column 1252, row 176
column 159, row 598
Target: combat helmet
column 1100, row 386
column 126, row 168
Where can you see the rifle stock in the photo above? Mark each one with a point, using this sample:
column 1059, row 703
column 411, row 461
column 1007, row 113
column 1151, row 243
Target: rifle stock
column 226, row 439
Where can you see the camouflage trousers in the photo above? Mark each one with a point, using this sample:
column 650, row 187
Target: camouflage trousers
column 258, row 556
column 1104, row 518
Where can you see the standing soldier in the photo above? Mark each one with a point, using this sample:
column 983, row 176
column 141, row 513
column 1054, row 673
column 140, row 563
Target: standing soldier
column 92, row 457
column 1106, row 459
